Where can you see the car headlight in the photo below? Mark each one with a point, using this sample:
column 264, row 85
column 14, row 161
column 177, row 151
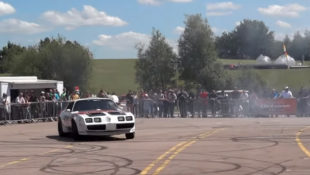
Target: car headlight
column 97, row 120
column 120, row 118
column 88, row 120
column 129, row 118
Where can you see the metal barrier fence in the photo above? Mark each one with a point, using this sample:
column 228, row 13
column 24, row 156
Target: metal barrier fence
column 151, row 108
column 29, row 111
column 221, row 108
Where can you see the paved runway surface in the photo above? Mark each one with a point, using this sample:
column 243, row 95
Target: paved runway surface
column 232, row 146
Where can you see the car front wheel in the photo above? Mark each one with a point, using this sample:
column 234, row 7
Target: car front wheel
column 75, row 131
column 130, row 135
column 60, row 129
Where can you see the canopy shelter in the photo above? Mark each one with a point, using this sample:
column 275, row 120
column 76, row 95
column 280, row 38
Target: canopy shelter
column 262, row 59
column 12, row 83
column 285, row 59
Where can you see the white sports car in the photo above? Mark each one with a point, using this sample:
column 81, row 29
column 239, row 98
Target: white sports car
column 95, row 116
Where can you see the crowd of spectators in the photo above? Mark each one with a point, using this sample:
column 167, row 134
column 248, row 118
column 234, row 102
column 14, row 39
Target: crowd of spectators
column 154, row 103
column 201, row 103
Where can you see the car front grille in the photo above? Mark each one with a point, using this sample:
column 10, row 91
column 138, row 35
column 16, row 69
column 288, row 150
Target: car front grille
column 125, row 125
column 96, row 127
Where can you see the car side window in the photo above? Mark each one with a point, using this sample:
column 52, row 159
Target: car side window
column 70, row 105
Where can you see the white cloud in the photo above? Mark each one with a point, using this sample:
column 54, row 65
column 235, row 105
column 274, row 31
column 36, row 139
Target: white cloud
column 88, row 17
column 219, row 13
column 149, row 2
column 290, row 10
column 179, row 30
column 126, row 42
column 6, row 8
column 158, row 2
column 222, row 6
column 181, row 1
column 221, row 9
column 20, row 27
column 123, row 41
column 283, row 24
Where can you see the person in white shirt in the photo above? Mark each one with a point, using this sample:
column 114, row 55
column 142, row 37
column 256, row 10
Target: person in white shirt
column 286, row 93
column 5, row 103
column 115, row 98
column 20, row 99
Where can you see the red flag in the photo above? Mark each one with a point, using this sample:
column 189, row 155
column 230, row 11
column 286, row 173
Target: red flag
column 284, row 49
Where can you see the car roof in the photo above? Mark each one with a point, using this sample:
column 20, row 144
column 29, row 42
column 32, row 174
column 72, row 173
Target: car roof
column 92, row 98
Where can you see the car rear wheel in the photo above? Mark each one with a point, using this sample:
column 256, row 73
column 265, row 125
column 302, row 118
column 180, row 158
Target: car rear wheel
column 60, row 130
column 130, row 135
column 75, row 131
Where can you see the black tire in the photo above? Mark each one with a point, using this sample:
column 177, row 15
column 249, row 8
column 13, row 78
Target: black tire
column 130, row 135
column 75, row 132
column 60, row 130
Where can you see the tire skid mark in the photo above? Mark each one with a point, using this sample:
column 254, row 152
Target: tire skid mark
column 268, row 165
column 273, row 143
column 101, row 161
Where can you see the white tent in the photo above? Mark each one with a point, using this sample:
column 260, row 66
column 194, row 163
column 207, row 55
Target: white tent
column 262, row 59
column 283, row 59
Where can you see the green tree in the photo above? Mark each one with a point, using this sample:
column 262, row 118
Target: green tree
column 57, row 59
column 247, row 41
column 196, row 48
column 155, row 66
column 197, row 54
column 7, row 55
column 213, row 76
column 299, row 47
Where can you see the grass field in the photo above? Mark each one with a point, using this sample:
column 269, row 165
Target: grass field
column 279, row 78
column 118, row 75
column 113, row 75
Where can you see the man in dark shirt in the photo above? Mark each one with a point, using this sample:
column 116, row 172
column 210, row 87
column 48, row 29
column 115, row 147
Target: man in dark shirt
column 212, row 101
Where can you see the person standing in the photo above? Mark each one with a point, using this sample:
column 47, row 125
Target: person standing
column 182, row 98
column 129, row 101
column 172, row 97
column 75, row 95
column 115, row 98
column 286, row 93
column 6, row 106
column 20, row 100
column 212, row 101
column 203, row 103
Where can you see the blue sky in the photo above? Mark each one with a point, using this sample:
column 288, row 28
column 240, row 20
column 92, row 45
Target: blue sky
column 112, row 28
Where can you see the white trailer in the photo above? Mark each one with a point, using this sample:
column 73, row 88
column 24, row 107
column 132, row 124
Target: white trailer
column 9, row 83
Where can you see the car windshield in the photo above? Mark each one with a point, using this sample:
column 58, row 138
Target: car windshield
column 94, row 104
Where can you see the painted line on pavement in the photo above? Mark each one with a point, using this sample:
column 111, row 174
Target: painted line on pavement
column 14, row 162
column 299, row 142
column 173, row 152
column 28, row 158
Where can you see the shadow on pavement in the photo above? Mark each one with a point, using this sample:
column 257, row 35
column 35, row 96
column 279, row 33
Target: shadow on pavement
column 84, row 138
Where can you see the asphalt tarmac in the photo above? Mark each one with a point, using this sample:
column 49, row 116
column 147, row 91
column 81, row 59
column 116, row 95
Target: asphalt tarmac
column 216, row 146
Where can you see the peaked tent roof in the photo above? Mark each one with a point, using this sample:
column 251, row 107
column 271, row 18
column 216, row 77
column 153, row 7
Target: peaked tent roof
column 287, row 60
column 262, row 59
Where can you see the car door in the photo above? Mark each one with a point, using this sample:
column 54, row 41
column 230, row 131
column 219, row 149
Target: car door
column 67, row 115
